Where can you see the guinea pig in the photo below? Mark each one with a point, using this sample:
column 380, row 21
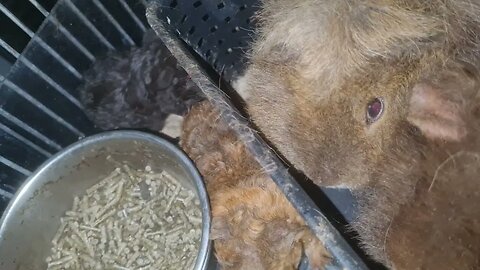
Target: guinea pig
column 419, row 209
column 253, row 224
column 376, row 96
column 138, row 88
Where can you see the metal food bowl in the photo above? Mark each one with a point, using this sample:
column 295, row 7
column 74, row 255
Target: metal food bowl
column 33, row 216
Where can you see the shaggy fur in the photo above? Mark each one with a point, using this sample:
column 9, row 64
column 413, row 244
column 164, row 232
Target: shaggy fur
column 315, row 66
column 254, row 226
column 138, row 88
column 418, row 211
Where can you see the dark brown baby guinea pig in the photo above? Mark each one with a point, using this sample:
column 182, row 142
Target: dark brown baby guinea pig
column 138, row 88
column 342, row 79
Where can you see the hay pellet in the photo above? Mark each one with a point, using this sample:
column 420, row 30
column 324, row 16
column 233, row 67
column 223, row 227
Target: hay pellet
column 112, row 216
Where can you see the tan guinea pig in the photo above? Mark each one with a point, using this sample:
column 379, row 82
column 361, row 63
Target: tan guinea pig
column 379, row 97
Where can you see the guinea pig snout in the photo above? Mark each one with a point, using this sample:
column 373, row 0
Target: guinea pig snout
column 338, row 178
column 324, row 173
column 336, row 168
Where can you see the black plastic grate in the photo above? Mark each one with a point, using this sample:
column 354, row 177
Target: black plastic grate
column 220, row 31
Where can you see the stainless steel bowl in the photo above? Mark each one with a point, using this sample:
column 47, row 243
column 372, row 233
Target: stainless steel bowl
column 33, row 216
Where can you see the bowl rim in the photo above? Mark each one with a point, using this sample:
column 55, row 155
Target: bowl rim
column 204, row 252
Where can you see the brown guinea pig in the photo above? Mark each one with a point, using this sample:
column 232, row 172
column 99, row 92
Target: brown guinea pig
column 376, row 96
column 253, row 224
column 419, row 209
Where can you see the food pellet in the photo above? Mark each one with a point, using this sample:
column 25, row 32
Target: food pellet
column 113, row 226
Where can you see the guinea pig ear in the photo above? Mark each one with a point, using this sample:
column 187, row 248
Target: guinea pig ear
column 437, row 116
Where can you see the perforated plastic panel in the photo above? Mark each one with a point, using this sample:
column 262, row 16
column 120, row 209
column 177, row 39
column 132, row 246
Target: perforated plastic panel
column 218, row 30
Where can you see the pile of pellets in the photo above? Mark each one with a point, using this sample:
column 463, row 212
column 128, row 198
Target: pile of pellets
column 131, row 220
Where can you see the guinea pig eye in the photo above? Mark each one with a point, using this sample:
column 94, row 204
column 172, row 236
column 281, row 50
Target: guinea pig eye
column 374, row 110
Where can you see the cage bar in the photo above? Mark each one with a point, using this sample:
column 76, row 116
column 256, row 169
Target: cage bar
column 42, row 107
column 6, row 194
column 15, row 166
column 89, row 24
column 50, row 81
column 132, row 14
column 25, row 140
column 9, row 48
column 29, row 129
column 39, row 7
column 71, row 38
column 114, row 22
column 44, row 45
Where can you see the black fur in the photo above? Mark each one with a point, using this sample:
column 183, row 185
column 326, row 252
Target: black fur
column 138, row 88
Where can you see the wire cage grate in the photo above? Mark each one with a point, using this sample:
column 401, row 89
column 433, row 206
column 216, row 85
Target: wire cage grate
column 45, row 47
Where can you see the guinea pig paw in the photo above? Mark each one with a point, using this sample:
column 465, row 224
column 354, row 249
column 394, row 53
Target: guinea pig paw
column 317, row 255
